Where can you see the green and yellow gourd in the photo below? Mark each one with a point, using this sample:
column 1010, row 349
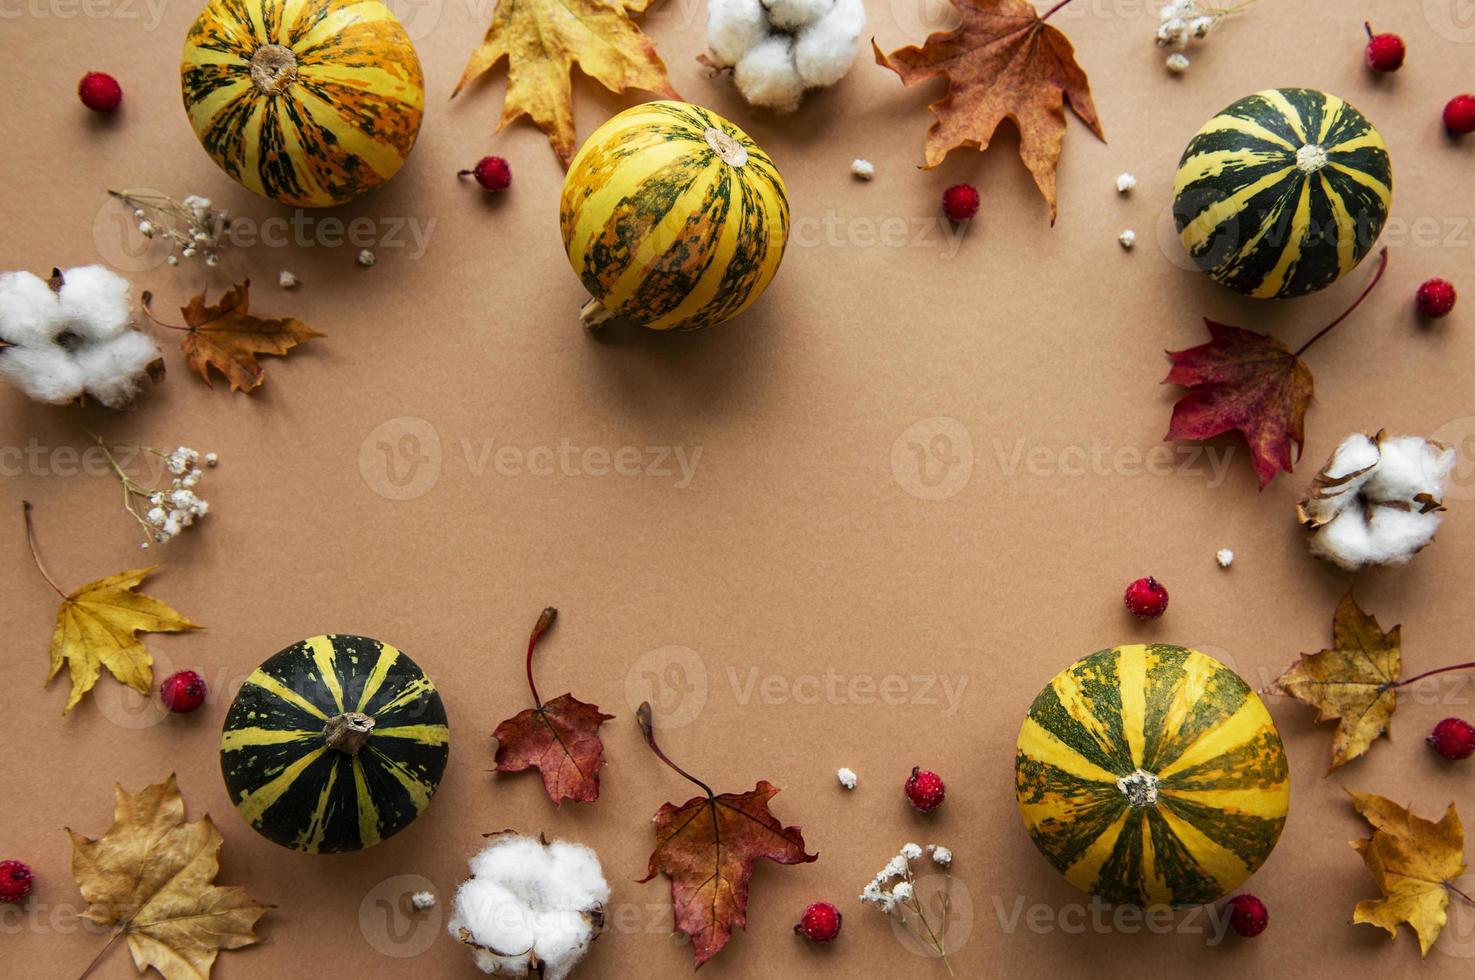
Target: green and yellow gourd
column 672, row 217
column 307, row 102
column 334, row 744
column 1283, row 192
column 1152, row 775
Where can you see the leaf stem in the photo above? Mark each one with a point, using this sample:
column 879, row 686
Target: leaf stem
column 545, row 620
column 1461, row 894
column 117, row 934
column 144, row 302
column 643, row 719
column 1430, row 673
column 1382, row 267
column 35, row 552
column 1046, row 15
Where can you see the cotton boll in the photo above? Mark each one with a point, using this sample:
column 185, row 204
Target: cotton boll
column 95, row 302
column 823, row 52
column 1351, row 466
column 1390, row 537
column 790, row 15
column 766, row 75
column 1410, row 466
column 28, row 310
column 734, row 26
column 47, row 374
column 113, row 370
column 530, row 908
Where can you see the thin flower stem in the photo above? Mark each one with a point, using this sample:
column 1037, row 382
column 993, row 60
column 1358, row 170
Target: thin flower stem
column 131, row 488
column 35, row 552
column 545, row 620
column 643, row 718
column 1430, row 673
column 1377, row 276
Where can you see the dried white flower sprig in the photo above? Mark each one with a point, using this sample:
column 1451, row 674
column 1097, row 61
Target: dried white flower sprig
column 193, row 227
column 1183, row 21
column 894, row 892
column 73, row 335
column 163, row 512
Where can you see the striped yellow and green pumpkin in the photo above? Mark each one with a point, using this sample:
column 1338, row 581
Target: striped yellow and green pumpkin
column 334, row 744
column 1152, row 775
column 1283, row 192
column 307, row 102
column 672, row 217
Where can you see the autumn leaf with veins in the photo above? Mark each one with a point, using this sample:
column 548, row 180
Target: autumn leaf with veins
column 560, row 739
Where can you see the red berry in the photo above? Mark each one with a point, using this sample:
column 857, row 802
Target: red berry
column 1454, row 738
column 820, row 923
column 1385, row 52
column 183, row 692
column 15, row 881
column 1436, row 298
column 100, row 91
column 492, row 173
column 1248, row 916
column 1146, row 598
column 925, row 789
column 1459, row 115
column 960, row 202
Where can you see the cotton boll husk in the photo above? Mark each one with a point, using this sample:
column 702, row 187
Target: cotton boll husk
column 790, row 15
column 734, row 26
column 823, row 52
column 766, row 75
column 1351, row 466
column 1410, row 466
column 113, row 370
column 46, row 374
column 95, row 302
column 29, row 315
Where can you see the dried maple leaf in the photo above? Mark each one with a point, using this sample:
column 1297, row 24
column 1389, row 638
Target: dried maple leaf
column 707, row 846
column 1247, row 382
column 98, row 625
column 543, row 39
column 560, row 739
column 1355, row 682
column 151, row 877
column 228, row 338
column 1415, row 863
column 1002, row 62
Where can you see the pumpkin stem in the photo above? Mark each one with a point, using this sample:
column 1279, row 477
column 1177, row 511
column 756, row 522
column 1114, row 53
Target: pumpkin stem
column 1140, row 788
column 733, row 153
column 348, row 732
column 594, row 315
column 273, row 68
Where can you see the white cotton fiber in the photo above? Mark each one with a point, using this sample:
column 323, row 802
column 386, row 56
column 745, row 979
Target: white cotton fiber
column 766, row 75
column 824, row 51
column 791, row 15
column 779, row 48
column 530, row 909
column 734, row 26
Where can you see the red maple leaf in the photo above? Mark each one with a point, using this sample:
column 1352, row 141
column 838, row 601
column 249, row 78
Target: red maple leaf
column 707, row 846
column 1247, row 382
column 560, row 739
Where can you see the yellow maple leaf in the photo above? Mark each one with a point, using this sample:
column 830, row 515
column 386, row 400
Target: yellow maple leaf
column 1414, row 862
column 151, row 877
column 98, row 625
column 543, row 39
column 1355, row 682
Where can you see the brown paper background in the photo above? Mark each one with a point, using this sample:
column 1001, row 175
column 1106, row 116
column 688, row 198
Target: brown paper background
column 795, row 551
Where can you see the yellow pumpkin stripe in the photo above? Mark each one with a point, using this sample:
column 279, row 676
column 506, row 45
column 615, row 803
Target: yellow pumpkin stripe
column 254, row 803
column 1346, row 244
column 418, row 792
column 324, row 658
column 1331, row 114
column 1226, row 867
column 380, row 156
column 1132, row 673
column 1239, row 728
column 593, row 209
column 387, row 657
column 410, row 692
column 424, row 734
column 368, row 811
column 239, row 738
column 1257, row 801
column 1078, row 704
column 1248, row 127
column 312, row 838
column 1085, row 872
column 1038, row 743
column 1197, row 232
column 1291, row 254
column 661, row 236
column 1283, row 105
column 266, row 682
